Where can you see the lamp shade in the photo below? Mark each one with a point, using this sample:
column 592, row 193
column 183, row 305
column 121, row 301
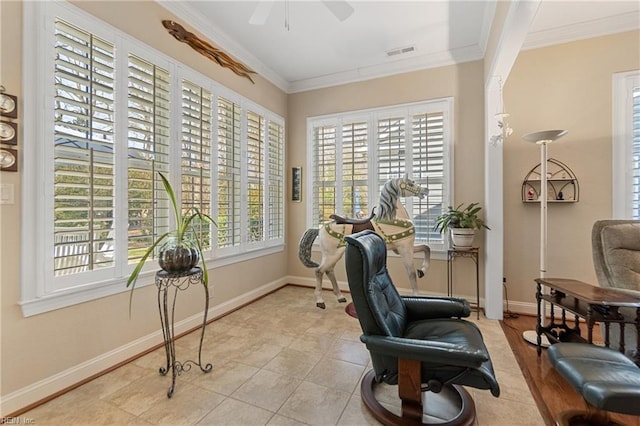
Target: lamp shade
column 544, row 136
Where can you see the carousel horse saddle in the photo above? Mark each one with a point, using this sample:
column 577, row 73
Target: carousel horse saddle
column 341, row 220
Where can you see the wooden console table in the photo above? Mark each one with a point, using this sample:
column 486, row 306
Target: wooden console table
column 593, row 304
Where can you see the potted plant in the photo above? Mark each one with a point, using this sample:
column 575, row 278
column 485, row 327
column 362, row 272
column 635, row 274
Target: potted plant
column 179, row 249
column 463, row 223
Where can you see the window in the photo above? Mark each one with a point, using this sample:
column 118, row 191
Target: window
column 626, row 145
column 105, row 126
column 355, row 153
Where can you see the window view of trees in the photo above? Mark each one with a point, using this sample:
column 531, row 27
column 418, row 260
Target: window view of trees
column 87, row 159
column 385, row 143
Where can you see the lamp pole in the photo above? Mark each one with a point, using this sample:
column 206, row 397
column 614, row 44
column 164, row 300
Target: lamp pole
column 542, row 138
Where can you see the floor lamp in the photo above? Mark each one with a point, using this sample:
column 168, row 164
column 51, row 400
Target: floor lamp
column 542, row 138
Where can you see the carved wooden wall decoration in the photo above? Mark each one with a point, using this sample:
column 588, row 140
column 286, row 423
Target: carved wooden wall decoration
column 207, row 50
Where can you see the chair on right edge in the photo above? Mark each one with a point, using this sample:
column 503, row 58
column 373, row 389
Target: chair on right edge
column 606, row 378
column 616, row 259
column 419, row 343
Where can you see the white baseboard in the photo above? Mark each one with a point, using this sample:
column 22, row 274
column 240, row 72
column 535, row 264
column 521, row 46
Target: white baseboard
column 38, row 391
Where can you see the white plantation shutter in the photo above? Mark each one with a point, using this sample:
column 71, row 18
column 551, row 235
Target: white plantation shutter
column 635, row 147
column 255, row 176
column 147, row 154
column 228, row 215
column 196, row 155
column 275, row 196
column 324, row 172
column 114, row 115
column 414, row 139
column 391, row 149
column 355, row 173
column 626, row 145
column 83, row 151
column 428, row 169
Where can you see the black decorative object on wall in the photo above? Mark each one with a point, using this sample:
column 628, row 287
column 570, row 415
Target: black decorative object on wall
column 296, row 184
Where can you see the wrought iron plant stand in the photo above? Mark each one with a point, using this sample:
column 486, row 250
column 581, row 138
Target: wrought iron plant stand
column 178, row 281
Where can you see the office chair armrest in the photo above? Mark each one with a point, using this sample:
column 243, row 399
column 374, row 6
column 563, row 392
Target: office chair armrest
column 426, row 307
column 426, row 350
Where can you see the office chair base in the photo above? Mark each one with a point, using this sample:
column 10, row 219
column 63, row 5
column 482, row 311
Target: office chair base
column 452, row 406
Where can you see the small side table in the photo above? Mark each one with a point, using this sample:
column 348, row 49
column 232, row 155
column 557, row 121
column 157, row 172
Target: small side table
column 471, row 253
column 166, row 281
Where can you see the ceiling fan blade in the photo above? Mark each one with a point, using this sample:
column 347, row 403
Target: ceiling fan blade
column 260, row 15
column 340, row 8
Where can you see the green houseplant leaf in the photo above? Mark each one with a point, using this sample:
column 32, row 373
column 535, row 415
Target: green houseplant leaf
column 460, row 217
column 185, row 225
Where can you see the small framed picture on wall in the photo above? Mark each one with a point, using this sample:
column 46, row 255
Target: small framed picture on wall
column 296, row 184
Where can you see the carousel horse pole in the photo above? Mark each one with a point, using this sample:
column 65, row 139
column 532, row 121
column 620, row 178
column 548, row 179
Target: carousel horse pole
column 391, row 221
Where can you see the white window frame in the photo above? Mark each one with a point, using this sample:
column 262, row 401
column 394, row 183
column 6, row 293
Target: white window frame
column 37, row 293
column 371, row 116
column 622, row 167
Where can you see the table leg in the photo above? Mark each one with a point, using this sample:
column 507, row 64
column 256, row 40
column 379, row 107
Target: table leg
column 477, row 287
column 539, row 320
column 449, row 274
column 636, row 356
column 590, row 323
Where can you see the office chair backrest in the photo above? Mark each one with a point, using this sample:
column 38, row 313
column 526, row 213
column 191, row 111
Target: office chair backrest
column 616, row 253
column 380, row 308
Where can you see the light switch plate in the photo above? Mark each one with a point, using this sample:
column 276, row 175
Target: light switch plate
column 6, row 193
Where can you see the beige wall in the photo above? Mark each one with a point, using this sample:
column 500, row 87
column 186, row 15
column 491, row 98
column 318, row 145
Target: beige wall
column 38, row 347
column 463, row 82
column 566, row 86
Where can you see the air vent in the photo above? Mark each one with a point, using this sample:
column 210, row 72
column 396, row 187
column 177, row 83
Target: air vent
column 401, row 51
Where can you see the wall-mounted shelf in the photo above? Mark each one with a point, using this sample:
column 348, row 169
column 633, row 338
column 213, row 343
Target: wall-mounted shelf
column 562, row 184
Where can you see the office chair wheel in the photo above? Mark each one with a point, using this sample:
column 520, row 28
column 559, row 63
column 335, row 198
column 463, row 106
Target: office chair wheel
column 452, row 406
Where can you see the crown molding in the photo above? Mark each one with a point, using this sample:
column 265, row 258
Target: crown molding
column 415, row 63
column 583, row 30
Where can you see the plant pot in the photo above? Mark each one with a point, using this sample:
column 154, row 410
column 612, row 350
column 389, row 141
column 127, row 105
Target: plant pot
column 462, row 238
column 178, row 256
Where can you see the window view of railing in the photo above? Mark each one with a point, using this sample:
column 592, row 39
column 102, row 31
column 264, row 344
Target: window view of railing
column 83, row 150
column 635, row 149
column 147, row 154
column 116, row 114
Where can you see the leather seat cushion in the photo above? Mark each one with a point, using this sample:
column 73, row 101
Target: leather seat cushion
column 447, row 330
column 456, row 332
column 605, row 378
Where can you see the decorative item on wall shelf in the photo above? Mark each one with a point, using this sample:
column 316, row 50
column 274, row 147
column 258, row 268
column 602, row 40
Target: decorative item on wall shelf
column 207, row 50
column 296, row 184
column 462, row 224
column 181, row 249
column 562, row 184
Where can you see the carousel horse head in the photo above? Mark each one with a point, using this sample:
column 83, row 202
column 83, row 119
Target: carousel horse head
column 409, row 188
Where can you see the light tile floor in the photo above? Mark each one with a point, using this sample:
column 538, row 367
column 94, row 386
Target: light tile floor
column 277, row 361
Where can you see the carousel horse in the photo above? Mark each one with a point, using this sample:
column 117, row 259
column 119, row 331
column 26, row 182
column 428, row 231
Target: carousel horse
column 391, row 222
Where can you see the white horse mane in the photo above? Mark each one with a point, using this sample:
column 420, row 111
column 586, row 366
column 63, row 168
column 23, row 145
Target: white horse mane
column 388, row 198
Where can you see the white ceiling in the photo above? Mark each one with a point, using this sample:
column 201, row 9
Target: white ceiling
column 318, row 50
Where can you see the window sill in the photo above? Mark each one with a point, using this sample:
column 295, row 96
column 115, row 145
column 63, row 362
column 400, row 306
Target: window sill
column 63, row 299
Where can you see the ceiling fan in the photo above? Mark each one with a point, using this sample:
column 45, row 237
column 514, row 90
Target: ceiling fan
column 341, row 9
